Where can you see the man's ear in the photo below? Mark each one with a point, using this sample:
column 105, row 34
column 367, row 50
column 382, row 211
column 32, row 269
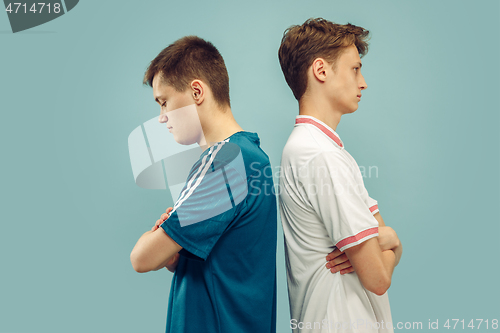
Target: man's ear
column 319, row 69
column 198, row 90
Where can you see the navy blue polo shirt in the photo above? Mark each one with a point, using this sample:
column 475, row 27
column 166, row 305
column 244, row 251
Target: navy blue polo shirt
column 225, row 219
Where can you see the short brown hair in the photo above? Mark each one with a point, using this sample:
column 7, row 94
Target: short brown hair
column 301, row 44
column 187, row 59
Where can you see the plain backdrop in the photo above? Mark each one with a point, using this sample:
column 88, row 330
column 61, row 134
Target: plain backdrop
column 71, row 92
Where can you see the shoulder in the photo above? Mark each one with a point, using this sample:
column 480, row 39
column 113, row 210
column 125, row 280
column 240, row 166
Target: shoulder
column 331, row 157
column 246, row 145
column 326, row 167
column 334, row 160
column 304, row 147
column 306, row 143
column 301, row 138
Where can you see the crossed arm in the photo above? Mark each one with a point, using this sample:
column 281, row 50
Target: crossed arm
column 373, row 260
column 155, row 249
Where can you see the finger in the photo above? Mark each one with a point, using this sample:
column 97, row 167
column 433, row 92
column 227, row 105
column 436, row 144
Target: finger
column 347, row 270
column 340, row 267
column 332, row 255
column 339, row 260
column 164, row 216
column 158, row 222
column 169, row 209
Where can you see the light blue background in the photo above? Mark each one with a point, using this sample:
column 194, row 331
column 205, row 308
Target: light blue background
column 70, row 94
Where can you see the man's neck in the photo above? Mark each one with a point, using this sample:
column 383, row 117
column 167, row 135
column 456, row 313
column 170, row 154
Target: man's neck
column 319, row 109
column 221, row 126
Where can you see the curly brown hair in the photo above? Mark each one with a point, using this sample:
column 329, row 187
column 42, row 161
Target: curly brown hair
column 316, row 38
column 187, row 59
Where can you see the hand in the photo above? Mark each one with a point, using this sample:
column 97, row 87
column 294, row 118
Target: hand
column 162, row 219
column 387, row 238
column 172, row 264
column 338, row 262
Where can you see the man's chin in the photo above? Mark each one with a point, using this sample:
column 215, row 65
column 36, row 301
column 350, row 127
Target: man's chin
column 350, row 111
column 184, row 141
column 354, row 108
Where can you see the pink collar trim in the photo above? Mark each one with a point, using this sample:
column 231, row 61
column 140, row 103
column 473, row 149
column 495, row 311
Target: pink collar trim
column 321, row 126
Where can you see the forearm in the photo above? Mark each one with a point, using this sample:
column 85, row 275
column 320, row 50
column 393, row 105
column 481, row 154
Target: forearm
column 162, row 265
column 143, row 237
column 153, row 251
column 136, row 256
column 389, row 261
column 373, row 265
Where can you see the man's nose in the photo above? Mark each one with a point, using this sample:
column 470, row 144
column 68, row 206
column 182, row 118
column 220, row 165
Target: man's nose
column 163, row 118
column 362, row 84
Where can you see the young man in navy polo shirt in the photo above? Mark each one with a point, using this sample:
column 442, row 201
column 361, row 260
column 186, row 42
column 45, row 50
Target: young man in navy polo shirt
column 220, row 236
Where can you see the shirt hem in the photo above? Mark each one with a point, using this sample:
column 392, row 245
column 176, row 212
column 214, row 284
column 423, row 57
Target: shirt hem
column 190, row 247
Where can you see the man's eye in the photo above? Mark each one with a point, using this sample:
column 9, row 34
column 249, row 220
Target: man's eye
column 356, row 69
column 164, row 104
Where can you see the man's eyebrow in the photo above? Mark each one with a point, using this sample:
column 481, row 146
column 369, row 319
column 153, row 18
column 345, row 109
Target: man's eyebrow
column 360, row 64
column 157, row 101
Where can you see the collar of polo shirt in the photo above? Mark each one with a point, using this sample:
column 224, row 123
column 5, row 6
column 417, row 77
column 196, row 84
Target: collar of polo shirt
column 327, row 130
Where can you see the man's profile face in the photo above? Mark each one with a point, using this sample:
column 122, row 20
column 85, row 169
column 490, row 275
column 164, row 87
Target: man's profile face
column 345, row 85
column 178, row 112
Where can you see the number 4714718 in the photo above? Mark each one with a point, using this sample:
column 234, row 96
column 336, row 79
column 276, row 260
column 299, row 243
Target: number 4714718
column 56, row 8
column 461, row 324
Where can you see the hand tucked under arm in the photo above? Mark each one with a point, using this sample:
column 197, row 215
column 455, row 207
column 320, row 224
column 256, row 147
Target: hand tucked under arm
column 388, row 240
column 338, row 262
